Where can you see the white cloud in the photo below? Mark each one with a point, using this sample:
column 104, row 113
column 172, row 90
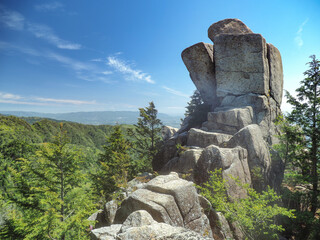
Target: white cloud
column 65, row 101
column 9, row 96
column 23, row 102
column 69, row 62
column 129, row 73
column 298, row 39
column 97, row 60
column 175, row 92
column 106, row 72
column 46, row 7
column 11, row 19
column 17, row 99
column 46, row 33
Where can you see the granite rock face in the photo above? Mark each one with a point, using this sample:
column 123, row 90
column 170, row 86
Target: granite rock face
column 247, row 76
column 276, row 73
column 227, row 26
column 167, row 207
column 241, row 64
column 200, row 64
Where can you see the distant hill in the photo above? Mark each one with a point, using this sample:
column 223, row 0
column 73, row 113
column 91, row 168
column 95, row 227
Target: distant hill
column 97, row 118
column 40, row 130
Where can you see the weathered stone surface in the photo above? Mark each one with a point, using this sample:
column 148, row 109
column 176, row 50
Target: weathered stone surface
column 227, row 26
column 229, row 120
column 265, row 111
column 203, row 139
column 105, row 233
column 232, row 161
column 276, row 73
column 199, row 62
column 110, row 210
column 259, row 159
column 162, row 207
column 168, row 199
column 241, row 64
column 169, row 150
column 185, row 163
column 99, row 218
column 137, row 219
column 159, row 231
column 167, row 132
column 184, row 193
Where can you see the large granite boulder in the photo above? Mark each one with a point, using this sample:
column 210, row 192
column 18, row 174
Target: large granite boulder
column 232, row 161
column 229, row 120
column 259, row 160
column 141, row 226
column 168, row 199
column 168, row 132
column 241, row 64
column 185, row 163
column 227, row 26
column 199, row 62
column 200, row 138
column 276, row 73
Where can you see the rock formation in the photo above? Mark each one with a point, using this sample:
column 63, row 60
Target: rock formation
column 240, row 77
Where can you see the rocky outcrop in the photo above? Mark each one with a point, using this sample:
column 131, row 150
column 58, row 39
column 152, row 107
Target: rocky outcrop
column 242, row 74
column 167, row 207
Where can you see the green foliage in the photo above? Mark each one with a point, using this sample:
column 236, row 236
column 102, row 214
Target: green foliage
column 306, row 114
column 47, row 195
column 254, row 214
column 147, row 137
column 114, row 164
column 197, row 109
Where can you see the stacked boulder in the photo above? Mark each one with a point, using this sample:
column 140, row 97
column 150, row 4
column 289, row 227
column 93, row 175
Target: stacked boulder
column 240, row 77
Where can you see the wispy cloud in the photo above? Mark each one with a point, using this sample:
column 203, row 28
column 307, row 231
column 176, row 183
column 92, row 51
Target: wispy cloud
column 9, row 96
column 46, row 33
column 298, row 39
column 69, row 62
column 17, row 99
column 46, row 7
column 65, row 101
column 129, row 73
column 97, row 60
column 175, row 92
column 82, row 70
column 11, row 19
column 16, row 21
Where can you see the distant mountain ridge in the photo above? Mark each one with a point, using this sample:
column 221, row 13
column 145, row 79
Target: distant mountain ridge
column 98, row 117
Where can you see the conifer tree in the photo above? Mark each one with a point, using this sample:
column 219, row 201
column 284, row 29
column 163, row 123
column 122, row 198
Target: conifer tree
column 197, row 109
column 305, row 113
column 49, row 195
column 114, row 164
column 147, row 137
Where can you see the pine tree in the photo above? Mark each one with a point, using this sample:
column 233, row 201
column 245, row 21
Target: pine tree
column 114, row 164
column 305, row 113
column 147, row 137
column 49, row 194
column 197, row 110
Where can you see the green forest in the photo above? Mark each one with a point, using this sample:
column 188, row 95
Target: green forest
column 55, row 175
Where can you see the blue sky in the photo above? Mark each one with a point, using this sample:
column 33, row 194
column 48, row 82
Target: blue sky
column 81, row 55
